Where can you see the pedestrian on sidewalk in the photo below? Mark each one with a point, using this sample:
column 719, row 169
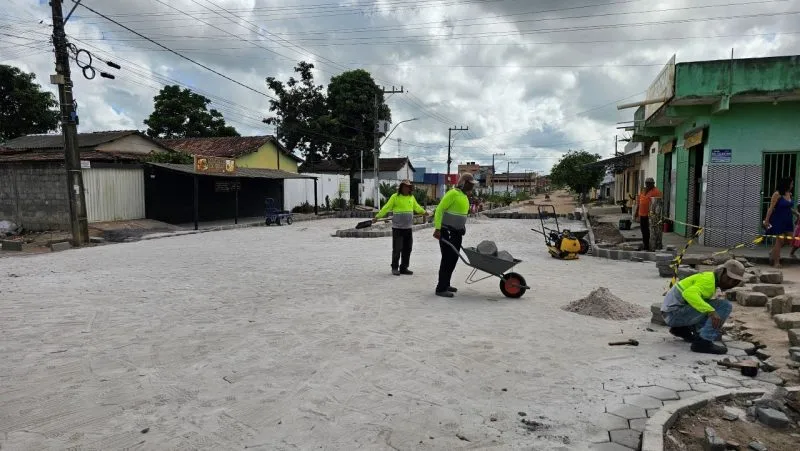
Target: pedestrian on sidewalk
column 643, row 209
column 691, row 311
column 778, row 222
column 450, row 222
column 403, row 205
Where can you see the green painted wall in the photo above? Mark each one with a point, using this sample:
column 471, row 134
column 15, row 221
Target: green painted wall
column 681, row 188
column 748, row 129
column 750, row 76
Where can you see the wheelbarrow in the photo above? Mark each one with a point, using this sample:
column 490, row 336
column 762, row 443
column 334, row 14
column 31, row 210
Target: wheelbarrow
column 512, row 285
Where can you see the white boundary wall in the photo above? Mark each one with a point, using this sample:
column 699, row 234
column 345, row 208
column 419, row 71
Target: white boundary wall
column 297, row 191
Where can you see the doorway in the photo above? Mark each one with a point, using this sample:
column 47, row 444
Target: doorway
column 776, row 165
column 695, row 187
column 666, row 193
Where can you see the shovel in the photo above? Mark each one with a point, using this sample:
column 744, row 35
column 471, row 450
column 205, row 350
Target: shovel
column 368, row 223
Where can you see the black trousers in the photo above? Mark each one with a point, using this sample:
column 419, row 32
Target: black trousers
column 449, row 257
column 402, row 240
column 644, row 223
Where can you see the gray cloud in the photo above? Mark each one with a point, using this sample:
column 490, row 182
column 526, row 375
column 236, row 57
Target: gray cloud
column 522, row 81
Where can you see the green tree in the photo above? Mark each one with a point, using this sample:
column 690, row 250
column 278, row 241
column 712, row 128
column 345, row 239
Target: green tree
column 300, row 113
column 24, row 108
column 572, row 171
column 180, row 113
column 351, row 109
column 387, row 189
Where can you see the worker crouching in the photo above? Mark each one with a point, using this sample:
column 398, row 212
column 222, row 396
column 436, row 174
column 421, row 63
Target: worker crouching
column 693, row 314
column 403, row 205
column 450, row 221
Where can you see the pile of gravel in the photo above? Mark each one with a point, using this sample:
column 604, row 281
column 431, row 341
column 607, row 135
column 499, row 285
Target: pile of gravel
column 602, row 304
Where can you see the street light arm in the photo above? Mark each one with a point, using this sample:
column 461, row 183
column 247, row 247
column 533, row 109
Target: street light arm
column 395, row 126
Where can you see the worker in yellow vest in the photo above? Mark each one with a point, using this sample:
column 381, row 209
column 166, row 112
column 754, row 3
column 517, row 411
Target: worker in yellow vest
column 450, row 221
column 403, row 205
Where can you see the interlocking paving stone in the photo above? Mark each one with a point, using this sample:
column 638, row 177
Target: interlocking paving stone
column 600, row 437
column 688, row 394
column 771, row 378
column 703, row 387
column 771, row 417
column 722, row 381
column 661, row 393
column 620, row 388
column 609, row 447
column 610, row 422
column 627, row 437
column 743, row 345
column 638, row 424
column 643, row 401
column 651, row 412
column 736, row 352
column 628, row 412
column 674, row 384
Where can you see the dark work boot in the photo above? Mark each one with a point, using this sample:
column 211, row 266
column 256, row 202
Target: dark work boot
column 452, row 289
column 707, row 347
column 444, row 294
column 406, row 272
column 396, row 272
column 687, row 333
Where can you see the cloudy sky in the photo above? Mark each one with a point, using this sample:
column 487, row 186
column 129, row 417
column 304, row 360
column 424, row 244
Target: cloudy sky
column 530, row 79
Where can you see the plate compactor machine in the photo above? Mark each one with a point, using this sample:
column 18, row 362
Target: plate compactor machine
column 561, row 244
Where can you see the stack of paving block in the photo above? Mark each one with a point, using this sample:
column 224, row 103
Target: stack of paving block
column 664, row 264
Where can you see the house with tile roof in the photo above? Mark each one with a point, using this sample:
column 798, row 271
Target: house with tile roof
column 254, row 152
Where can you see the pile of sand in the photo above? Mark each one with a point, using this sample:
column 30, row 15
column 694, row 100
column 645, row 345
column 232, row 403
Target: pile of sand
column 602, row 304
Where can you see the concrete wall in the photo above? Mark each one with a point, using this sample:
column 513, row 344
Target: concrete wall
column 298, row 191
column 267, row 157
column 34, row 195
column 750, row 76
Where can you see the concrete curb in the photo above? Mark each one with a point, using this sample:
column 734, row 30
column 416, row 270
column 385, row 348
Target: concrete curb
column 658, row 424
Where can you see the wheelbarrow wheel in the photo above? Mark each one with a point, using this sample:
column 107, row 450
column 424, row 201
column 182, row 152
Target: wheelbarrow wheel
column 289, row 220
column 268, row 221
column 584, row 247
column 513, row 285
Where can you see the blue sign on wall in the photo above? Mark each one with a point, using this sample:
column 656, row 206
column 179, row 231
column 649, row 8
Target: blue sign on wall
column 721, row 155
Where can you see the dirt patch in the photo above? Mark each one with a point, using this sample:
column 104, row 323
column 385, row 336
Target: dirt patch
column 688, row 433
column 606, row 233
column 601, row 303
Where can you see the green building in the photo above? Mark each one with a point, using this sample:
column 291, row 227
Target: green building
column 727, row 131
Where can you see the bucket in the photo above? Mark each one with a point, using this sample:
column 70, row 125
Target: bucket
column 624, row 224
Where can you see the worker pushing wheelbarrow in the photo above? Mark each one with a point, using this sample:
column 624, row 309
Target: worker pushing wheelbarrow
column 512, row 285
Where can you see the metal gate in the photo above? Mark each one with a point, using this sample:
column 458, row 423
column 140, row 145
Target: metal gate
column 776, row 166
column 114, row 194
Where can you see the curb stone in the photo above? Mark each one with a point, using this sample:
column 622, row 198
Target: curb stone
column 658, row 424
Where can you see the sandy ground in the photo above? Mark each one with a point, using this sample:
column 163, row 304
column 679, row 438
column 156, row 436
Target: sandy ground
column 287, row 338
column 561, row 200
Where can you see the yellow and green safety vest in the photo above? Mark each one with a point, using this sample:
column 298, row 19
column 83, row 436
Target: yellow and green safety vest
column 403, row 208
column 452, row 211
column 695, row 290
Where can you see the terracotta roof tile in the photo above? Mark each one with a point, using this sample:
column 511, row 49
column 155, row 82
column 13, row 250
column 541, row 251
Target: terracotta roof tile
column 85, row 140
column 228, row 146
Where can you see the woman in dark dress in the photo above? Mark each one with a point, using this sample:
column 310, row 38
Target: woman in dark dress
column 779, row 220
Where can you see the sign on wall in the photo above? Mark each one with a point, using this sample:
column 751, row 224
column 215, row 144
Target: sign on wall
column 663, row 87
column 214, row 165
column 667, row 147
column 225, row 187
column 721, row 155
column 693, row 139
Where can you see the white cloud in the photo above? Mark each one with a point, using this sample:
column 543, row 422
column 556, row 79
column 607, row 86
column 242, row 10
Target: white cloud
column 486, row 65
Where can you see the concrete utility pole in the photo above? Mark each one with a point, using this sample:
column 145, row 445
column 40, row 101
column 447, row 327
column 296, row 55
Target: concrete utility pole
column 493, row 172
column 72, row 159
column 508, row 174
column 449, row 143
column 377, row 142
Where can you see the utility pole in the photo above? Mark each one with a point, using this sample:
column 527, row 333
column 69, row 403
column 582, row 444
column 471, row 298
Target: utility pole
column 377, row 143
column 72, row 158
column 493, row 172
column 508, row 174
column 449, row 145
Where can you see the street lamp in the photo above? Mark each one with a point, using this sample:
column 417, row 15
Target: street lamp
column 377, row 159
column 495, row 155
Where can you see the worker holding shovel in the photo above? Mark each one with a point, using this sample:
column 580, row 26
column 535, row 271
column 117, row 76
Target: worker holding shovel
column 403, row 205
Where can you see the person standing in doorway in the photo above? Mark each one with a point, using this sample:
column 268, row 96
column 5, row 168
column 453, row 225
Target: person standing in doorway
column 450, row 222
column 403, row 205
column 643, row 209
column 779, row 222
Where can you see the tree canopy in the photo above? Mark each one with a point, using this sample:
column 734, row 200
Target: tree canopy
column 181, row 113
column 24, row 108
column 300, row 113
column 571, row 171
